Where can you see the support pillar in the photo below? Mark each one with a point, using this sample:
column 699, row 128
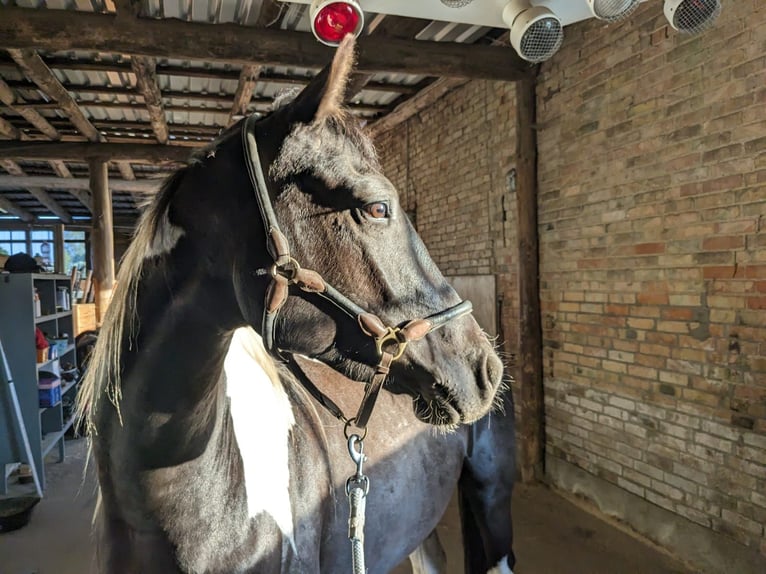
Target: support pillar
column 102, row 237
column 530, row 372
column 58, row 248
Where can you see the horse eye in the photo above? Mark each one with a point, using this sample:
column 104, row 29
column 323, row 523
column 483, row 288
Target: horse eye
column 377, row 210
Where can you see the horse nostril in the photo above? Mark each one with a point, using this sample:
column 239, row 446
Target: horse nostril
column 492, row 372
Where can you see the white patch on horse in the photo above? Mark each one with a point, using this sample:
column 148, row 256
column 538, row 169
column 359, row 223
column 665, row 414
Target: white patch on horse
column 262, row 419
column 165, row 237
column 502, row 567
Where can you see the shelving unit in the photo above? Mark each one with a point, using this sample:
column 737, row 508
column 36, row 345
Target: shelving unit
column 46, row 426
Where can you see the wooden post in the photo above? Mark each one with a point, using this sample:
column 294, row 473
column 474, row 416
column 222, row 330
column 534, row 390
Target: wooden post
column 58, row 248
column 102, row 236
column 532, row 431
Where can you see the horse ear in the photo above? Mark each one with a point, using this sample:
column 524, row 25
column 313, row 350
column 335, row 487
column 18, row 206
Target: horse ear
column 324, row 96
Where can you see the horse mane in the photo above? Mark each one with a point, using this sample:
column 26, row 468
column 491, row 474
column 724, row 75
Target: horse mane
column 103, row 373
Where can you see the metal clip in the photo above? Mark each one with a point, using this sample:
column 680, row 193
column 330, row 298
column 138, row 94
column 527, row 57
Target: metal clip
column 391, row 336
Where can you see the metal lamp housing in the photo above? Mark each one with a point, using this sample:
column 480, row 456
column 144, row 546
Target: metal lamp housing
column 317, row 6
column 612, row 10
column 536, row 32
column 692, row 16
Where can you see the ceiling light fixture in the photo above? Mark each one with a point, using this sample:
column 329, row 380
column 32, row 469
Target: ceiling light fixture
column 612, row 10
column 333, row 20
column 536, row 32
column 692, row 16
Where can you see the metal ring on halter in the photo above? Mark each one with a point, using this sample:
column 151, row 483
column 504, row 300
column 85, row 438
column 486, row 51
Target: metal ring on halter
column 350, row 424
column 391, row 336
column 289, row 270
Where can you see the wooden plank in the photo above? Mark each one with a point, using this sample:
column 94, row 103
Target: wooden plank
column 16, row 104
column 54, row 206
column 416, row 104
column 81, row 151
column 102, row 236
column 40, row 194
column 63, row 63
column 76, row 183
column 9, row 207
column 60, row 30
column 248, row 77
column 60, row 168
column 146, row 76
column 35, row 69
column 126, row 170
column 530, row 370
column 11, row 167
column 8, row 130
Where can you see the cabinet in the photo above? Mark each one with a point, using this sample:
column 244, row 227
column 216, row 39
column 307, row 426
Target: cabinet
column 45, row 426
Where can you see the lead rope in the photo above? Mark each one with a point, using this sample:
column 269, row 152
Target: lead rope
column 357, row 487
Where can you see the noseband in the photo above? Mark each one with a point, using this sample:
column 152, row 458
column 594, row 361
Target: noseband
column 390, row 342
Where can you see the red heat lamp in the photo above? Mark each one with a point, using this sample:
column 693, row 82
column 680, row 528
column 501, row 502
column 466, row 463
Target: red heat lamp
column 333, row 20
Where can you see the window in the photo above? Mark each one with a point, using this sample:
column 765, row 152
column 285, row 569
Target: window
column 12, row 242
column 42, row 247
column 74, row 250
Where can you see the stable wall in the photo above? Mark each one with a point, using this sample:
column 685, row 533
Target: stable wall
column 652, row 210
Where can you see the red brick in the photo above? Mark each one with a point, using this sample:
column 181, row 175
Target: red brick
column 649, row 248
column 652, row 298
column 723, row 243
column 756, row 302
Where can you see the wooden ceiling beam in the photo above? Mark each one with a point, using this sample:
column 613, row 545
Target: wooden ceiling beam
column 53, row 206
column 60, row 168
column 83, row 151
column 17, row 105
column 40, row 194
column 77, row 183
column 63, row 63
column 62, row 30
column 146, row 76
column 415, row 105
column 8, row 130
column 126, row 171
column 35, row 69
column 9, row 207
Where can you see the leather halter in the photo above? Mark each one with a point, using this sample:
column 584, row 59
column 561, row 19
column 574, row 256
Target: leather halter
column 287, row 271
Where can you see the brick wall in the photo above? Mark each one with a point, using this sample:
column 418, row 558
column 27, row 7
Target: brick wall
column 653, row 262
column 450, row 165
column 652, row 174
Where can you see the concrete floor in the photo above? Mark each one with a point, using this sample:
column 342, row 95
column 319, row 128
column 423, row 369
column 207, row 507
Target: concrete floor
column 552, row 535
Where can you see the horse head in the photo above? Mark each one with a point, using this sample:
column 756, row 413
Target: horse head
column 342, row 219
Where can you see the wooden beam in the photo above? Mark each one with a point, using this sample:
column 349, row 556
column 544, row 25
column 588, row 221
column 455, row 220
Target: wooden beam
column 146, row 76
column 8, row 130
column 63, row 63
column 11, row 167
column 54, row 206
column 83, row 196
column 102, row 236
column 62, row 30
column 35, row 69
column 248, row 77
column 530, row 371
column 60, row 168
column 76, row 183
column 416, row 104
column 82, row 151
column 17, row 104
column 126, row 170
column 9, row 207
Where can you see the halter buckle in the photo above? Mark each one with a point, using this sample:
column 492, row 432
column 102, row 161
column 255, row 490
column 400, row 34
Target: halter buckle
column 392, row 335
column 288, row 269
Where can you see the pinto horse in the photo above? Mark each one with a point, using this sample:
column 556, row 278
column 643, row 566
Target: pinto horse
column 286, row 227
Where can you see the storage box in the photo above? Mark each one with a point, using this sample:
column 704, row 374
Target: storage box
column 84, row 317
column 60, row 344
column 49, row 392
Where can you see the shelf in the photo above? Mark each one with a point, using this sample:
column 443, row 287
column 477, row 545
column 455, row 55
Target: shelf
column 44, row 318
column 44, row 364
column 52, row 438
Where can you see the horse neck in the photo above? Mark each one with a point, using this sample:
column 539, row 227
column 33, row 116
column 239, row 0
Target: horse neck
column 184, row 321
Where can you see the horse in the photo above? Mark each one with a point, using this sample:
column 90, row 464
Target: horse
column 285, row 226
